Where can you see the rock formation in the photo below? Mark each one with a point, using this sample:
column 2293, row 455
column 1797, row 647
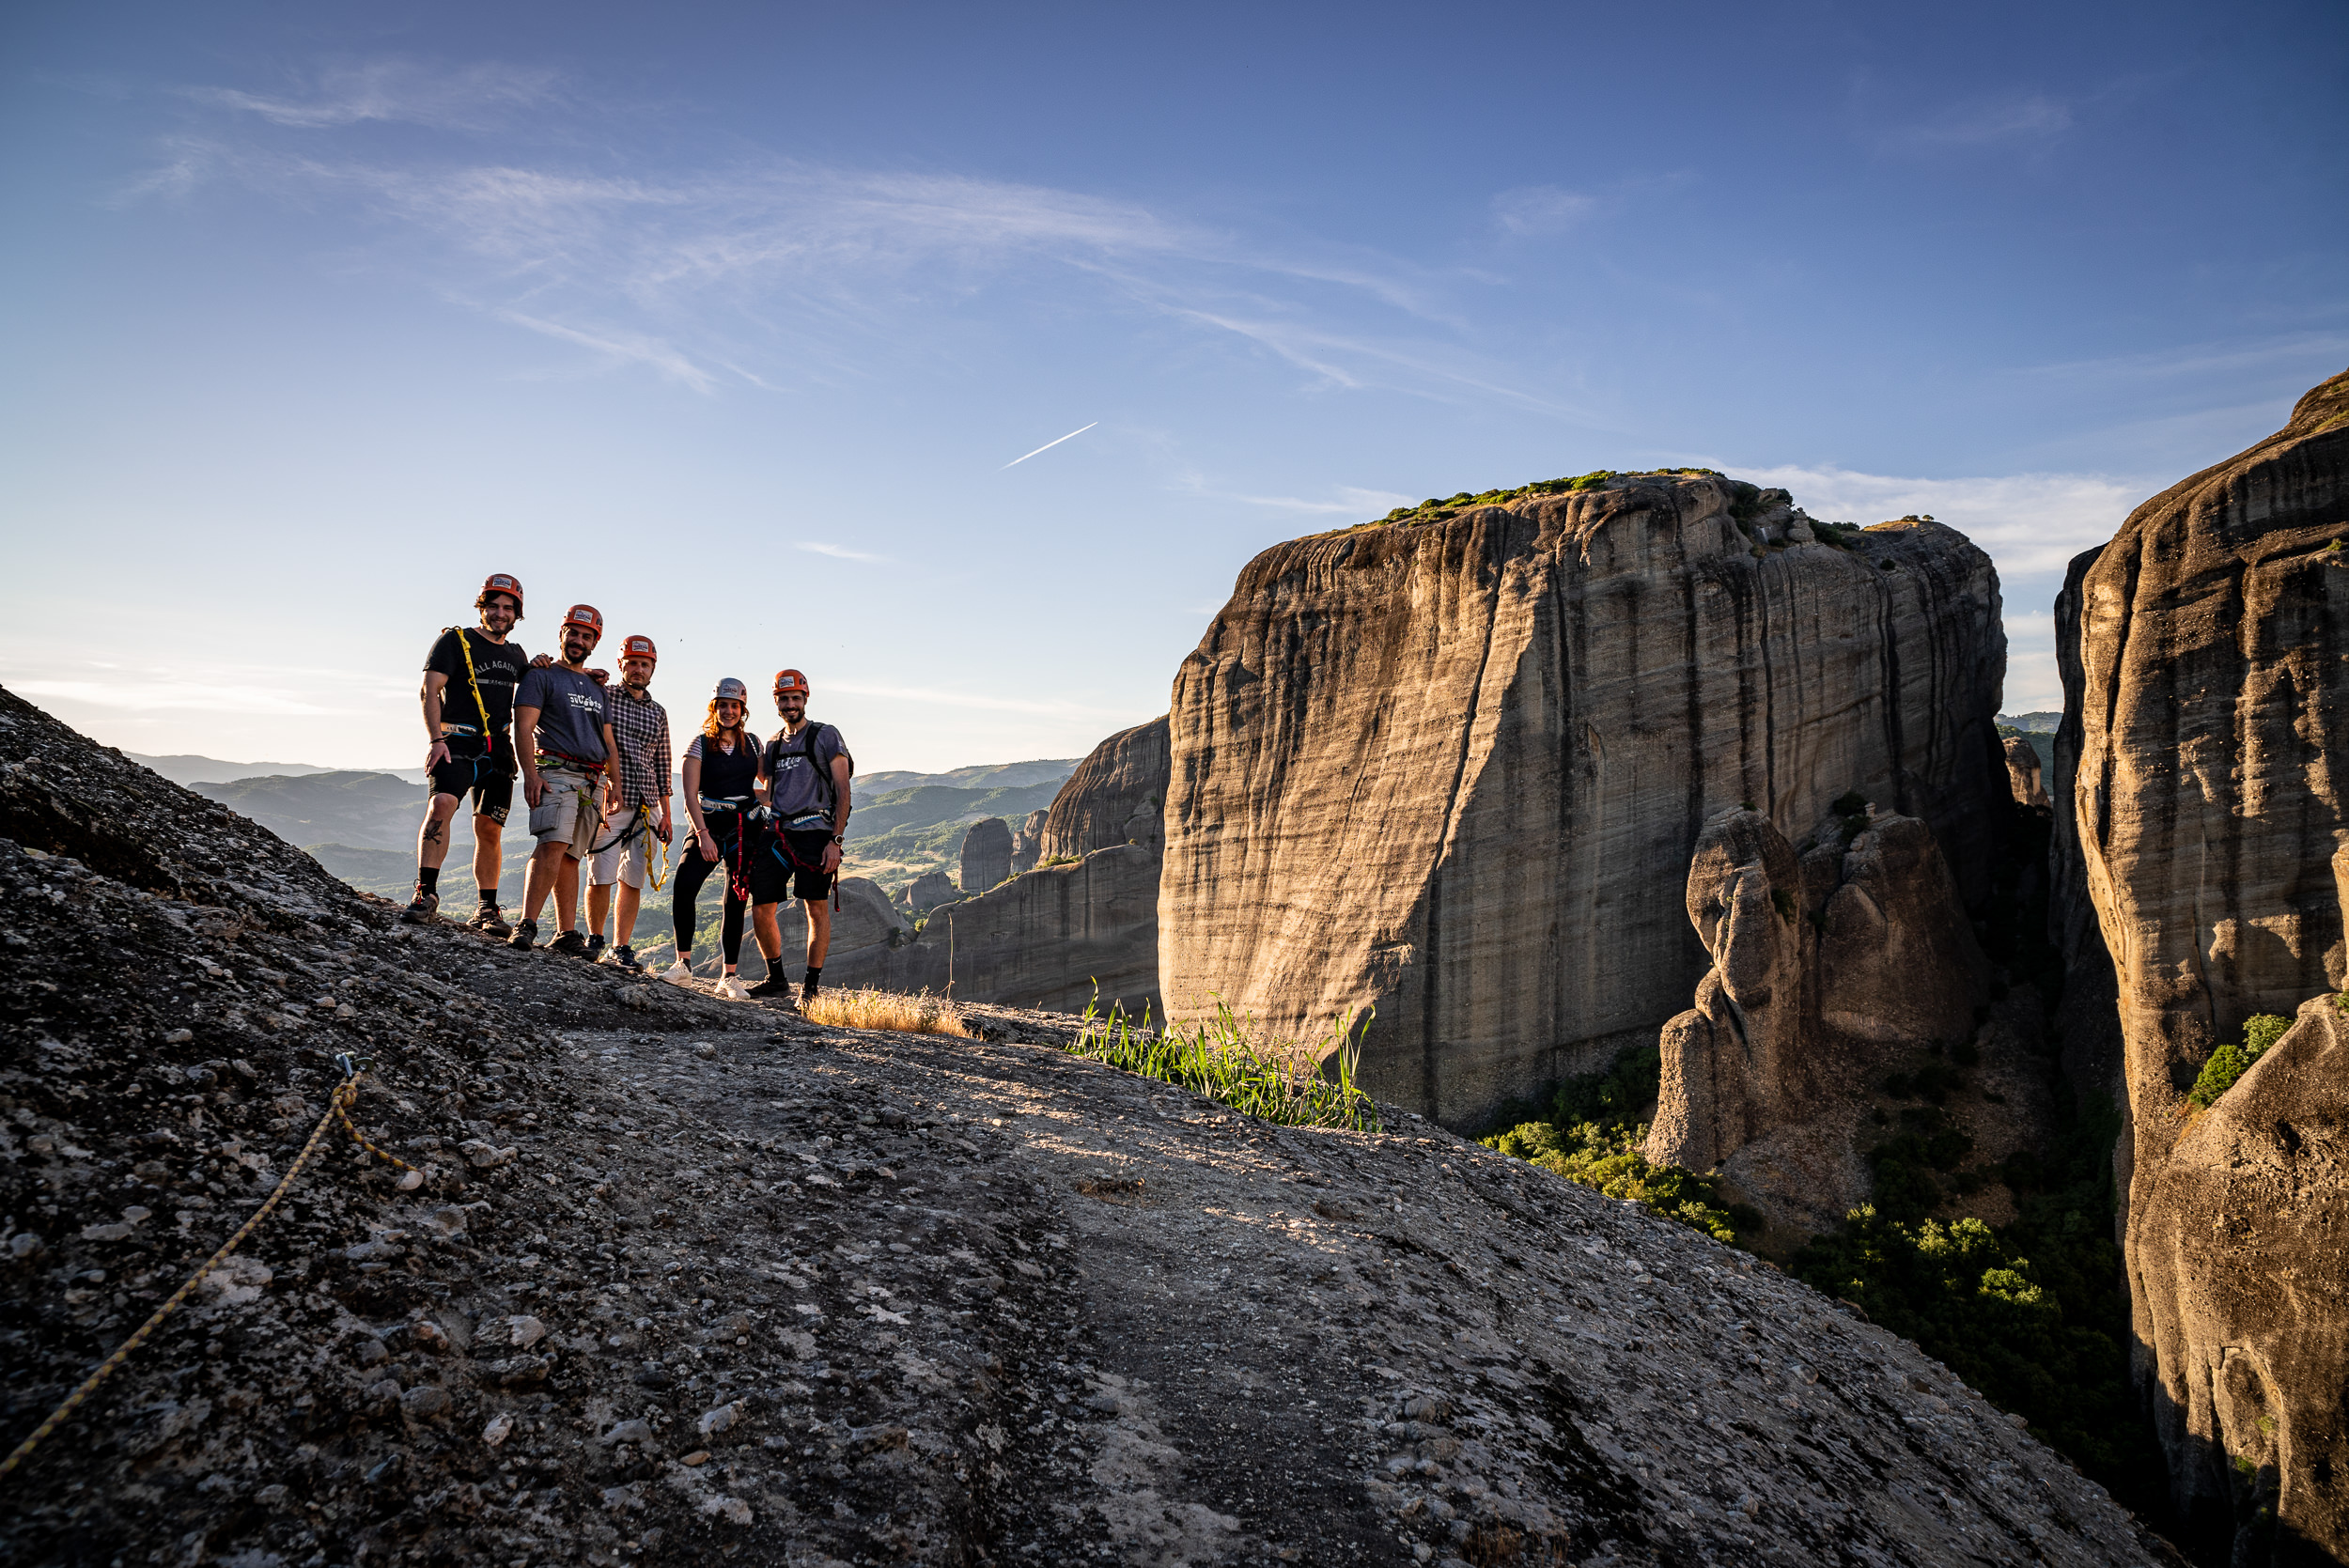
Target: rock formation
column 865, row 916
column 1455, row 766
column 1827, row 969
column 985, row 854
column 929, row 889
column 1027, row 841
column 1066, row 932
column 1041, row 940
column 2206, row 659
column 1123, row 778
column 2022, row 773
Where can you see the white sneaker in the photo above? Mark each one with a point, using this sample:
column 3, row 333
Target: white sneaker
column 731, row 988
column 679, row 973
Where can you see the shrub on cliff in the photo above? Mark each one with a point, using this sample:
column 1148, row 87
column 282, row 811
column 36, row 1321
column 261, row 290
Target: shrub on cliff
column 2231, row 1062
column 1591, row 1135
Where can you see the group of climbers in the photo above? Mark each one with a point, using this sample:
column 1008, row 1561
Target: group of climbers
column 595, row 766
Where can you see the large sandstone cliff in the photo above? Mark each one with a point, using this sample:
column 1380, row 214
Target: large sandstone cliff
column 2207, row 665
column 1456, row 767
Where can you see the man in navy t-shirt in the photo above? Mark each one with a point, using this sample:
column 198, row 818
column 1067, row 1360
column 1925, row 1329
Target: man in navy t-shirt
column 563, row 736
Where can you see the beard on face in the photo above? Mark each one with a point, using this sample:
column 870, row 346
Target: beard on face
column 577, row 645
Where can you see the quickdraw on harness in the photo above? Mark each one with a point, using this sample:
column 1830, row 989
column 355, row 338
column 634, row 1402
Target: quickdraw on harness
column 640, row 820
column 738, row 869
column 809, row 734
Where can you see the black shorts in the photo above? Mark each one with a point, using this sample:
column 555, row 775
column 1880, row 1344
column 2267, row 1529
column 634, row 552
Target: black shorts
column 798, row 859
column 491, row 786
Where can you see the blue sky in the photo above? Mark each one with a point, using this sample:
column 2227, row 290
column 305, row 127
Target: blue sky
column 728, row 319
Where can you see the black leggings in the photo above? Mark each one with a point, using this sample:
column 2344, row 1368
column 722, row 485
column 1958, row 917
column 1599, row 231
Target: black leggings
column 692, row 872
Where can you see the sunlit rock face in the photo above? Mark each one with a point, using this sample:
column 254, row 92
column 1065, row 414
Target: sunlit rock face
column 2205, row 652
column 1456, row 767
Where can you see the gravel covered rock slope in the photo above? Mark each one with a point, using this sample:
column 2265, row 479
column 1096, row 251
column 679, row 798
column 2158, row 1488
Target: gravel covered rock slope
column 688, row 1280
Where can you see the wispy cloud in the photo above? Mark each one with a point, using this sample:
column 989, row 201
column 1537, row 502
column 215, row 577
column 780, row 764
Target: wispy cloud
column 1348, row 502
column 1540, row 210
column 783, row 273
column 620, row 347
column 2027, row 523
column 474, row 97
column 165, row 693
column 2020, row 119
column 838, row 552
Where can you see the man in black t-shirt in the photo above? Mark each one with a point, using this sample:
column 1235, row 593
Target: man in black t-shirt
column 469, row 682
column 808, row 771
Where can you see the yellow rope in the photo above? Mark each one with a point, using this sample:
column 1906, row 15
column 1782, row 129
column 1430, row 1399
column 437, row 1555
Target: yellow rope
column 345, row 1094
column 464, row 645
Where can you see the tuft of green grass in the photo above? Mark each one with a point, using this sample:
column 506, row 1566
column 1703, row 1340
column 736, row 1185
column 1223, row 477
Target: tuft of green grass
column 2229, row 1061
column 1437, row 508
column 1591, row 1135
column 1230, row 1059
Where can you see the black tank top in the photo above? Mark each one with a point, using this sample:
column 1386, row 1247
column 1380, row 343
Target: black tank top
column 726, row 775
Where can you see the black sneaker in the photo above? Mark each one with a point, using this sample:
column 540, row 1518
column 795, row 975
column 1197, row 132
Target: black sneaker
column 526, row 935
column 421, row 907
column 487, row 921
column 595, row 947
column 570, row 943
column 624, row 957
column 772, row 986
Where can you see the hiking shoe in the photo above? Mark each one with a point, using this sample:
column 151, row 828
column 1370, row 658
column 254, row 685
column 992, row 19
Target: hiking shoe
column 594, row 948
column 731, row 988
column 624, row 957
column 679, row 973
column 421, row 907
column 807, row 993
column 487, row 921
column 773, row 985
column 570, row 943
column 526, row 935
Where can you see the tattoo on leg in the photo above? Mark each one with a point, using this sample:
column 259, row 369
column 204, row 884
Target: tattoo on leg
column 432, row 832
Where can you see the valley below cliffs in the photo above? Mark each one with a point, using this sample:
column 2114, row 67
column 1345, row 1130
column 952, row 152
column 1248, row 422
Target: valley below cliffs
column 1452, row 765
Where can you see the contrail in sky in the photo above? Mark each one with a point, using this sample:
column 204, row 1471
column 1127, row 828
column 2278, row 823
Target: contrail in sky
column 1047, row 447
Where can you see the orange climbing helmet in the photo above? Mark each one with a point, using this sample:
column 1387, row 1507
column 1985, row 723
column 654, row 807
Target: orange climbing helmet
column 639, row 647
column 500, row 582
column 587, row 616
column 787, row 681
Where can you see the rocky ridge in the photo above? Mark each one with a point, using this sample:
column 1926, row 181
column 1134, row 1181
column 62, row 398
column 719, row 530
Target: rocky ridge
column 690, row 1278
column 1454, row 768
column 2201, row 821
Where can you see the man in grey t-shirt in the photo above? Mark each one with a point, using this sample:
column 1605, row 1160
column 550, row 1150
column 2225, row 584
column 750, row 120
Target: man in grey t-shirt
column 563, row 736
column 808, row 769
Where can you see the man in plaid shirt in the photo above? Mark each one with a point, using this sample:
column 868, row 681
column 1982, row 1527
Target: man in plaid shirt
column 624, row 850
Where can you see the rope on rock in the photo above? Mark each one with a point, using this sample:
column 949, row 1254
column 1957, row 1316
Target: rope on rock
column 346, row 1093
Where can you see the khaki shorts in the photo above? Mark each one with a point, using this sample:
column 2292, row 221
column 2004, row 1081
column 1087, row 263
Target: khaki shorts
column 625, row 848
column 569, row 813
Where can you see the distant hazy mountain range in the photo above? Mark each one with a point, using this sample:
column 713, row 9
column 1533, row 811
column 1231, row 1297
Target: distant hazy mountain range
column 362, row 826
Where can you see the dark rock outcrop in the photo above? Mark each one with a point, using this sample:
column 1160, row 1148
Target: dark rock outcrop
column 2210, row 699
column 1123, row 778
column 1045, row 937
column 1828, row 969
column 929, row 889
column 1027, row 841
column 985, row 854
column 2022, row 773
column 1455, row 769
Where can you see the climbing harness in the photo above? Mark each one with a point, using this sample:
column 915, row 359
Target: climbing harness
column 337, row 1108
column 639, row 820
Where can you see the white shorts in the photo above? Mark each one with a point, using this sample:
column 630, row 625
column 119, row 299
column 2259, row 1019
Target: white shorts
column 624, row 850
